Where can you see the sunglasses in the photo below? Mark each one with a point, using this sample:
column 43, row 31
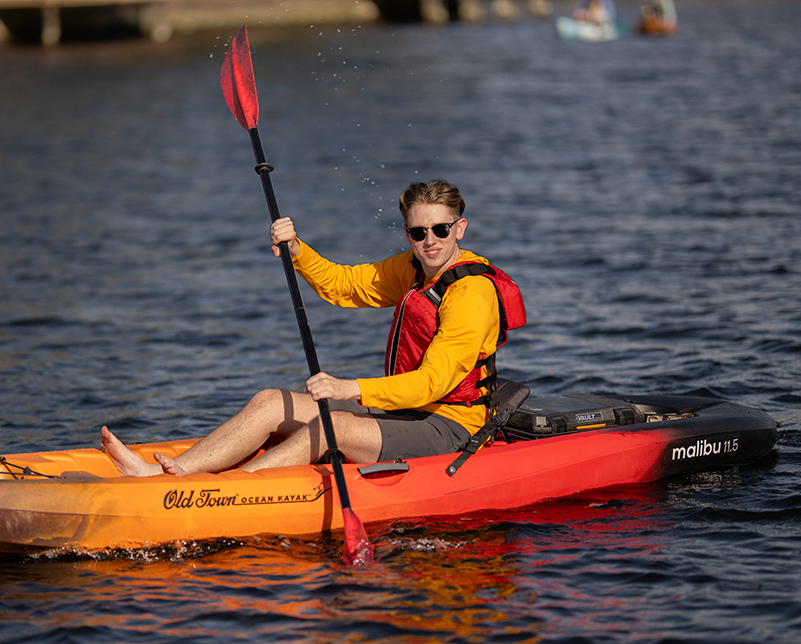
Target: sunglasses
column 418, row 233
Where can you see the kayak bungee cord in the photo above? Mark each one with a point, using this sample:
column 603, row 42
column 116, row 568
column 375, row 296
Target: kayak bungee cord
column 24, row 471
column 239, row 88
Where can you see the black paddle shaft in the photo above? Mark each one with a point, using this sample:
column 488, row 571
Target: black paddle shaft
column 335, row 456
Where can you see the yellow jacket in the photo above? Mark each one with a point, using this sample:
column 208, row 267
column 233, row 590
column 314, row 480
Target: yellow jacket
column 469, row 325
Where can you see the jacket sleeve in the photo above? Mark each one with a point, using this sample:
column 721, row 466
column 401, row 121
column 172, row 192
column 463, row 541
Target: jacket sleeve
column 468, row 327
column 364, row 285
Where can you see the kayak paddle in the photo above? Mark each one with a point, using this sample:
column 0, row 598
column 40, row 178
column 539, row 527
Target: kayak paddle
column 239, row 88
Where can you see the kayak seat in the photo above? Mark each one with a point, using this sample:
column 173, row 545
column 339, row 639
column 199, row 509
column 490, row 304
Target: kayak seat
column 511, row 395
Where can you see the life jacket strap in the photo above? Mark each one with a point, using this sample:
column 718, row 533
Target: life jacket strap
column 436, row 291
column 490, row 382
column 434, row 294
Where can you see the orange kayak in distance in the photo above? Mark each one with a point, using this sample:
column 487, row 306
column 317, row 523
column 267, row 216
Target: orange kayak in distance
column 653, row 26
column 551, row 447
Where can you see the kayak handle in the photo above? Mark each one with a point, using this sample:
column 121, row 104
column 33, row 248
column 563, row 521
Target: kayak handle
column 395, row 467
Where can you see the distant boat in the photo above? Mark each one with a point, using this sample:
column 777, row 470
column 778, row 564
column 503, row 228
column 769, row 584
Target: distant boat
column 658, row 18
column 652, row 26
column 582, row 30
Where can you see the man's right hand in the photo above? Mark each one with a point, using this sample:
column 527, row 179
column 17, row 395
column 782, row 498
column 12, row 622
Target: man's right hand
column 283, row 230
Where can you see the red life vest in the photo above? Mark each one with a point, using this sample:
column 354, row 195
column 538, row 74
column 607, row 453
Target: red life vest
column 416, row 322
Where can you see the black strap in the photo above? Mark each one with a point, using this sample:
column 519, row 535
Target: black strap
column 418, row 273
column 511, row 395
column 434, row 294
column 436, row 291
column 490, row 382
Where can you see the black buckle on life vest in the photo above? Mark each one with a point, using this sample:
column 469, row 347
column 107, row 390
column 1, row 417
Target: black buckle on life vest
column 490, row 382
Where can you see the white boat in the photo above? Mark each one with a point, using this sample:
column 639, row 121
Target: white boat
column 585, row 31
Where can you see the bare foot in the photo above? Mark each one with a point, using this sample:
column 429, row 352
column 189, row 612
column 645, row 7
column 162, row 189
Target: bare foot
column 168, row 465
column 126, row 462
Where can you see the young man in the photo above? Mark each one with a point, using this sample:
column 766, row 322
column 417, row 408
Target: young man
column 452, row 311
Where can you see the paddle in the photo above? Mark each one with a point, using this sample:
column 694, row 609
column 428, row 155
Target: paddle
column 239, row 88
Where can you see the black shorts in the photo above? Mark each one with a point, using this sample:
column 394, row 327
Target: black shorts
column 409, row 433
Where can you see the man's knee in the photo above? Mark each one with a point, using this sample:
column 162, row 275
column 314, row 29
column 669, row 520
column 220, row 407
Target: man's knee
column 288, row 410
column 266, row 398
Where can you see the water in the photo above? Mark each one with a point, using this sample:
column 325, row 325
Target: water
column 644, row 193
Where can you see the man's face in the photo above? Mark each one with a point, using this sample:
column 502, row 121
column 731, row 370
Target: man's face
column 435, row 254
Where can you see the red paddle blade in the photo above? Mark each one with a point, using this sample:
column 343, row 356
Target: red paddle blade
column 358, row 549
column 238, row 83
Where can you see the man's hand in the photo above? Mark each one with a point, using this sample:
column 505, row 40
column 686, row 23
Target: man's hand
column 322, row 386
column 283, row 230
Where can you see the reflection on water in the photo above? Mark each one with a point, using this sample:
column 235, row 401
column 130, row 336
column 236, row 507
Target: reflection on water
column 480, row 578
column 642, row 193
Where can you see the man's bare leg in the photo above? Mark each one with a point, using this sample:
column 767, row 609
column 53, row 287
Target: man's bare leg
column 268, row 411
column 358, row 438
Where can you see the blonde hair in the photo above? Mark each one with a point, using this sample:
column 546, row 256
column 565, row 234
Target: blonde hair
column 434, row 192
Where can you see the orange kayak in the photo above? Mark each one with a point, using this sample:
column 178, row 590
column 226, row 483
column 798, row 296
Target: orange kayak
column 654, row 26
column 551, row 447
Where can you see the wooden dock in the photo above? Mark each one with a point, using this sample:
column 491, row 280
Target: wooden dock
column 48, row 21
column 45, row 20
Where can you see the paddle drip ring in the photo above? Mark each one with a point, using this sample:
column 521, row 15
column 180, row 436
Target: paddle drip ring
column 331, row 452
column 264, row 166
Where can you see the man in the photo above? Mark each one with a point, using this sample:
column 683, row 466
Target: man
column 452, row 311
column 599, row 11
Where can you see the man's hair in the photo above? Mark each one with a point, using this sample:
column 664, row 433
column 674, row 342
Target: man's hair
column 434, row 192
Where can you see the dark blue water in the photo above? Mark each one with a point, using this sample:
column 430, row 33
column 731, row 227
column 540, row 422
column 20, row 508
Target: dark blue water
column 644, row 193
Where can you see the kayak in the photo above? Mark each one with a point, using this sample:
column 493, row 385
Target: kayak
column 549, row 447
column 582, row 30
column 655, row 26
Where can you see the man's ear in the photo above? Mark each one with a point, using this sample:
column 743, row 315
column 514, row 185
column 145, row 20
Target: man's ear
column 461, row 226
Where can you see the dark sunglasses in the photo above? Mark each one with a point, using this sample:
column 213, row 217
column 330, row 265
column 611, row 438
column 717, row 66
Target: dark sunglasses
column 418, row 233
